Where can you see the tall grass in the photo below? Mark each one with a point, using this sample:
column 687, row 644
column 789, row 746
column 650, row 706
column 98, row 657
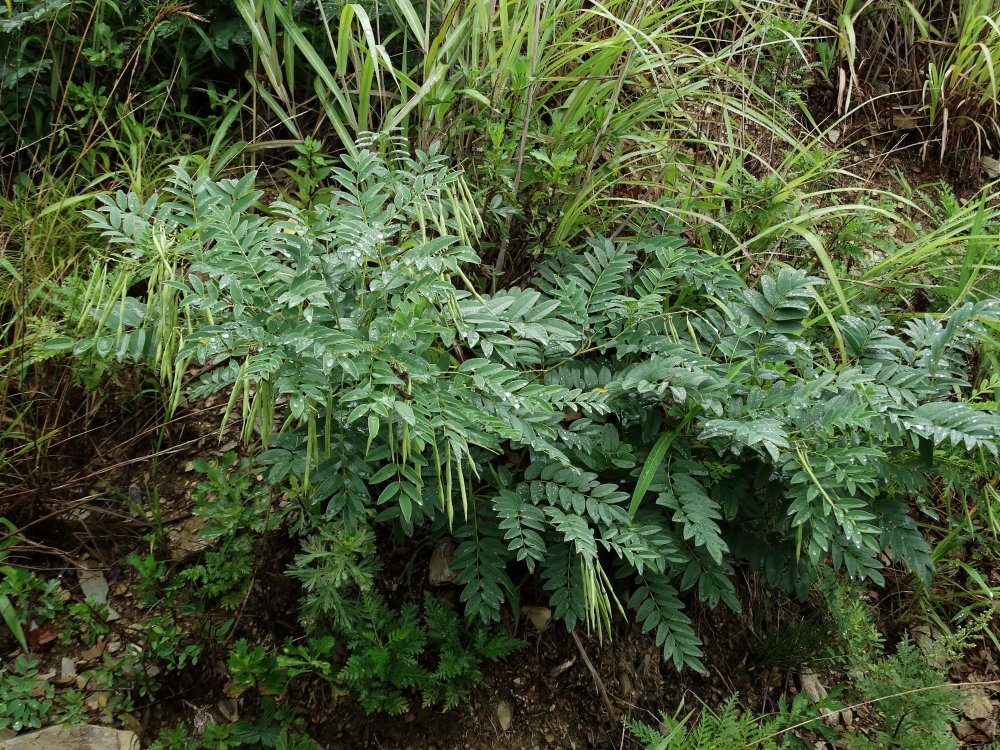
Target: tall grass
column 931, row 66
column 579, row 115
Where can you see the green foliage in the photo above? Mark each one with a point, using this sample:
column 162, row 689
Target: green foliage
column 25, row 596
column 274, row 728
column 25, row 700
column 391, row 656
column 388, row 651
column 730, row 728
column 916, row 706
column 335, row 564
column 61, row 67
column 237, row 512
column 792, row 445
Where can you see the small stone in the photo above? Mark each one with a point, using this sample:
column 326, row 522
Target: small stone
column 504, row 715
column 95, row 587
column 833, row 134
column 135, row 494
column 67, row 671
column 185, row 540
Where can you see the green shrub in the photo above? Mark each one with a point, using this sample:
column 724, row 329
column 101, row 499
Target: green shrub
column 641, row 414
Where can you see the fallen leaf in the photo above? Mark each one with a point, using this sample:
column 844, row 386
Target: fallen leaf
column 132, row 724
column 44, row 636
column 812, row 686
column 977, row 705
column 558, row 670
column 504, row 715
column 539, row 617
column 440, row 566
column 229, row 708
column 185, row 540
column 93, row 653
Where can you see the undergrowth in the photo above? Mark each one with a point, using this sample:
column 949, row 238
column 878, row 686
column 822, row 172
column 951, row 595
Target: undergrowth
column 599, row 305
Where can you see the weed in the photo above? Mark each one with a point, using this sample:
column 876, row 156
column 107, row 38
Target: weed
column 25, row 699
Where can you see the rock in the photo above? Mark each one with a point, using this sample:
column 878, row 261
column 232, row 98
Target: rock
column 991, row 165
column 504, row 715
column 185, row 540
column 440, row 567
column 833, row 134
column 977, row 705
column 812, row 686
column 67, row 671
column 135, row 495
column 87, row 737
column 539, row 617
column 95, row 587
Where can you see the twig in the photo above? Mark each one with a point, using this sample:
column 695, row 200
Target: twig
column 612, row 714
